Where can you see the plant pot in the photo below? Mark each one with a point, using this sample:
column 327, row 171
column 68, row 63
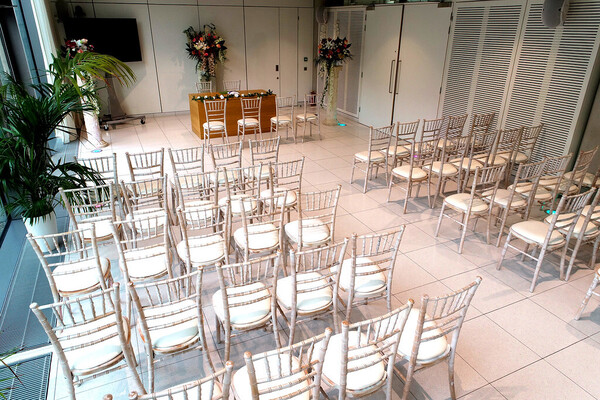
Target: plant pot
column 43, row 226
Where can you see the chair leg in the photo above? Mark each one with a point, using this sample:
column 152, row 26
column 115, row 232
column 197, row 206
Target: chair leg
column 463, row 234
column 352, row 173
column 504, row 212
column 538, row 267
column 571, row 261
column 504, row 251
column 587, row 297
column 451, row 376
column 410, row 371
column 391, row 182
column 594, row 253
column 408, row 193
column 439, row 224
column 367, row 177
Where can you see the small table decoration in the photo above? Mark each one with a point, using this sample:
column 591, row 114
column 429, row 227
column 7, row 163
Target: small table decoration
column 332, row 55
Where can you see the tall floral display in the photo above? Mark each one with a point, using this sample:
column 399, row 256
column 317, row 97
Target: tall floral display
column 86, row 83
column 207, row 48
column 332, row 54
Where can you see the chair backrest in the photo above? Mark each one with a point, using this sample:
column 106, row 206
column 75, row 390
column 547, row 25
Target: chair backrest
column 204, row 87
column 78, row 248
column 311, row 104
column 320, row 207
column 442, row 316
column 380, row 138
column 232, row 85
column 199, row 389
column 289, row 372
column 81, row 324
column 285, row 106
column 568, row 212
column 146, row 165
column 369, row 343
column 432, row 128
column 226, row 154
column 529, row 138
column 264, row 151
column 188, row 160
column 486, row 180
column 372, row 254
column 142, row 237
column 527, row 179
column 196, row 187
column 267, row 217
column 246, row 181
column 406, row 132
column 251, row 108
column 508, row 142
column 484, row 144
column 145, row 194
column 204, row 229
column 455, row 125
column 92, row 202
column 553, row 176
column 481, row 123
column 105, row 166
column 287, row 174
column 169, row 304
column 215, row 111
column 584, row 159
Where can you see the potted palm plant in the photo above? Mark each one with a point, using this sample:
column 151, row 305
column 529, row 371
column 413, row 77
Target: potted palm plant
column 30, row 172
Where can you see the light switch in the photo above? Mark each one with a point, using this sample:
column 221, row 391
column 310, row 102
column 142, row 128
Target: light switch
column 305, row 59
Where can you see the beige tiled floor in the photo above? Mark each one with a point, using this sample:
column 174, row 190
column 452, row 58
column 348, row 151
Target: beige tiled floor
column 514, row 344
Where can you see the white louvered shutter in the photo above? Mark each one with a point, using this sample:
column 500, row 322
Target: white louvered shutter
column 552, row 76
column 481, row 53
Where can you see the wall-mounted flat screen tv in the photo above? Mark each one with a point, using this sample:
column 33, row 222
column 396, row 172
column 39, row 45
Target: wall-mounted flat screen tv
column 117, row 37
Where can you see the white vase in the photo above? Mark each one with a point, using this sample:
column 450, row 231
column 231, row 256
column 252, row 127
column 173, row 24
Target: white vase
column 92, row 125
column 42, row 226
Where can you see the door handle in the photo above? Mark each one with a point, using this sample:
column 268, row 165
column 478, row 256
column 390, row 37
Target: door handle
column 391, row 76
column 398, row 75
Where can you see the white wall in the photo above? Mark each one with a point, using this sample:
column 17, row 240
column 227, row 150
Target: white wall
column 166, row 75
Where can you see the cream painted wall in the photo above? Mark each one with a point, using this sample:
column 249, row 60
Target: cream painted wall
column 166, row 75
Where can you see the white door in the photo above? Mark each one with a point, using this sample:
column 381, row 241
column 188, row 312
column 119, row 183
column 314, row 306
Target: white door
column 379, row 65
column 423, row 44
column 262, row 48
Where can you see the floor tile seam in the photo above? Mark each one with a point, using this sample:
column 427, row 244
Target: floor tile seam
column 557, row 316
column 543, row 359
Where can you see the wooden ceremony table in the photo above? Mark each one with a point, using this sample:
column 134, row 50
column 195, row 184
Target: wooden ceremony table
column 233, row 114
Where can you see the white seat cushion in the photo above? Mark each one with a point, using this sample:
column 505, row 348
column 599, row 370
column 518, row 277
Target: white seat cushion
column 180, row 332
column 460, row 201
column 447, row 170
column 502, row 197
column 596, row 212
column 214, row 126
column 283, row 120
column 361, row 378
column 590, row 229
column 535, row 232
column 376, row 156
column 399, row 151
column 102, row 225
column 248, row 122
column 588, row 178
column 220, row 176
column 290, row 198
column 541, row 194
column 497, row 160
column 464, row 164
column 248, row 314
column 521, row 158
column 153, row 218
column 278, row 376
column 363, row 284
column 314, row 232
column 203, row 210
column 204, row 250
column 236, row 201
column 261, row 237
column 404, row 171
column 307, row 116
column 549, row 180
column 86, row 277
column 315, row 300
column 429, row 350
column 105, row 353
column 146, row 263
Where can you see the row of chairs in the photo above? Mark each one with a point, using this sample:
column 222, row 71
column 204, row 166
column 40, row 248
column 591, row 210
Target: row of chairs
column 151, row 164
column 250, row 123
column 228, row 86
column 93, row 335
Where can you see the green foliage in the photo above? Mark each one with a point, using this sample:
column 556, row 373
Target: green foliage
column 6, row 389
